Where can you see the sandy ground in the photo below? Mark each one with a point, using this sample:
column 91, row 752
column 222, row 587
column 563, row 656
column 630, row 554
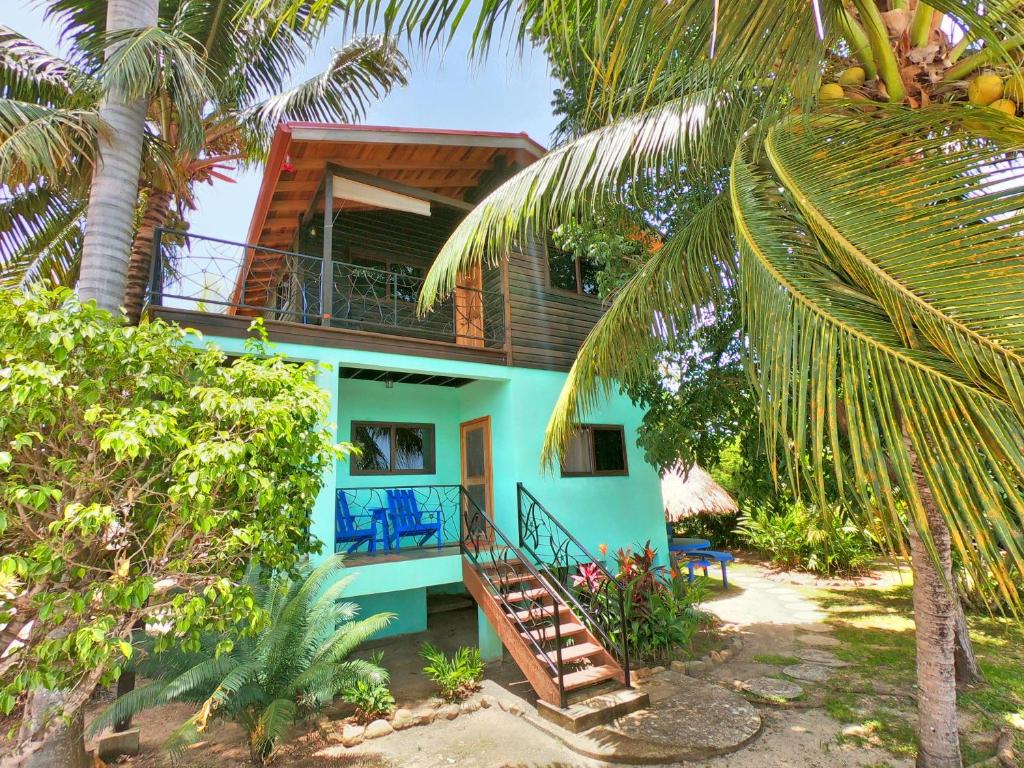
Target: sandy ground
column 769, row 610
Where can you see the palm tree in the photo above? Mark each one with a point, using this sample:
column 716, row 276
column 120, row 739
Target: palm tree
column 115, row 179
column 291, row 669
column 238, row 110
column 872, row 235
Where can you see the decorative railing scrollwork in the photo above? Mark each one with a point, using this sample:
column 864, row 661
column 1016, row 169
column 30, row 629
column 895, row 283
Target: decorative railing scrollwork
column 581, row 578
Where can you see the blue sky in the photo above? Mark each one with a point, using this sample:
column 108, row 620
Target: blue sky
column 507, row 92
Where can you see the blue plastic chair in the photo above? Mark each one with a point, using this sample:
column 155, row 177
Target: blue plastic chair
column 345, row 530
column 407, row 518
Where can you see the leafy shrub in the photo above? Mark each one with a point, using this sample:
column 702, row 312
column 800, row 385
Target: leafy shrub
column 139, row 474
column 822, row 540
column 456, row 677
column 371, row 700
column 267, row 681
column 661, row 612
column 719, row 529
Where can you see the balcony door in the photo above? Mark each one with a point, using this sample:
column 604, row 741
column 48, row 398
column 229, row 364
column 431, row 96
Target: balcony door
column 476, row 464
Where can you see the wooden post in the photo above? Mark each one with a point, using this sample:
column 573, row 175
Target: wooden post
column 327, row 267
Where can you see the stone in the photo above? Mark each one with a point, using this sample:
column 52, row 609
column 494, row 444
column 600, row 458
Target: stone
column 425, row 715
column 716, row 656
column 772, row 688
column 402, row 719
column 678, row 666
column 352, row 734
column 696, row 667
column 641, row 673
column 515, row 708
column 815, row 627
column 820, row 641
column 488, row 702
column 110, row 746
column 378, row 728
column 470, row 705
column 657, row 670
column 449, row 711
column 812, row 673
column 736, row 643
column 818, row 656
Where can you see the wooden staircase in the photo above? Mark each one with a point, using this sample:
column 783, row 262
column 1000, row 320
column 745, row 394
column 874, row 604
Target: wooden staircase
column 534, row 622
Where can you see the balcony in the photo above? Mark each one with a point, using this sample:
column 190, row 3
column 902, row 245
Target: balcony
column 211, row 276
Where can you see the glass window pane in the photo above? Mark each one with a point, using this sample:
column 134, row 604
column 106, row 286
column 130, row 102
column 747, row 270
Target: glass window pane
column 375, row 443
column 577, row 456
column 475, row 457
column 588, row 275
column 562, row 269
column 411, row 448
column 609, row 450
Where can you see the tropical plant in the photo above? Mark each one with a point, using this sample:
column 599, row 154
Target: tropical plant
column 797, row 535
column 456, row 677
column 660, row 605
column 869, row 231
column 290, row 668
column 139, row 473
column 231, row 68
column 371, row 700
column 718, row 528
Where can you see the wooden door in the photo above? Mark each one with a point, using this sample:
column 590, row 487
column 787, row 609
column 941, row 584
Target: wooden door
column 476, row 464
column 469, row 308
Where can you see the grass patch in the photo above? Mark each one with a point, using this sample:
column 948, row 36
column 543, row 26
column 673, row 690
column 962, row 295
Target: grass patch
column 775, row 658
column 876, row 629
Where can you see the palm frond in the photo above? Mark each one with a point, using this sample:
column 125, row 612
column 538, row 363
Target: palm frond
column 38, row 141
column 152, row 62
column 937, row 243
column 692, row 270
column 130, row 704
column 28, row 72
column 41, row 230
column 275, row 720
column 824, row 345
column 578, row 177
column 364, row 70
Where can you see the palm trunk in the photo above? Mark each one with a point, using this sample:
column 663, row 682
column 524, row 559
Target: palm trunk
column 968, row 672
column 158, row 204
column 61, row 745
column 115, row 183
column 935, row 609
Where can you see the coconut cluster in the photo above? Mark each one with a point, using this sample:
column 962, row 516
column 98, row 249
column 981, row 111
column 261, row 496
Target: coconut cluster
column 990, row 90
column 986, row 90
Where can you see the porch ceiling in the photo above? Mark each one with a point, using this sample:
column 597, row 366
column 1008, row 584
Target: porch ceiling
column 402, row 377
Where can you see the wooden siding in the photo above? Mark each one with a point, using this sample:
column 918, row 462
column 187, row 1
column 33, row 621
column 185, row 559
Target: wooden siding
column 547, row 326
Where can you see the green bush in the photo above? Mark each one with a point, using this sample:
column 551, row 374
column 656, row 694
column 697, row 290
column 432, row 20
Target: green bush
column 265, row 682
column 798, row 535
column 140, row 472
column 455, row 677
column 371, row 700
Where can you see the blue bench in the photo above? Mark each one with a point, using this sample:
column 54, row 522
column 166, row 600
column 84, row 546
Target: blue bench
column 703, row 558
column 407, row 519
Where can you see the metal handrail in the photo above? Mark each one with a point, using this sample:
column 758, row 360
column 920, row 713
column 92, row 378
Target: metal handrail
column 598, row 624
column 476, row 521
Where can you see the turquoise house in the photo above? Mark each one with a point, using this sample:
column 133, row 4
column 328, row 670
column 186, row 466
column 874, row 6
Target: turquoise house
column 449, row 410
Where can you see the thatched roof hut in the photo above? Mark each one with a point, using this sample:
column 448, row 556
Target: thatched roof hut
column 694, row 492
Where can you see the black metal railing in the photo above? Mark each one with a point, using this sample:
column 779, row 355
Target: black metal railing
column 581, row 578
column 371, row 509
column 211, row 275
column 501, row 565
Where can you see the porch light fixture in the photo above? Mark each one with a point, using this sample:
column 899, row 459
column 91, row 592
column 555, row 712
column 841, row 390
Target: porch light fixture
column 389, row 382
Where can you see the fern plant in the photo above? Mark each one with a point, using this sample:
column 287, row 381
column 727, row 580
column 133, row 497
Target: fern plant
column 290, row 668
column 455, row 677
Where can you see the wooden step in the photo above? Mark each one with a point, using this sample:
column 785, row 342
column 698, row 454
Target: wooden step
column 539, row 612
column 589, row 676
column 526, row 595
column 547, row 634
column 571, row 653
column 519, row 578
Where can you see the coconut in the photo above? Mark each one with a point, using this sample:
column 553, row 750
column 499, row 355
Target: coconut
column 1005, row 105
column 984, row 89
column 831, row 92
column 852, row 76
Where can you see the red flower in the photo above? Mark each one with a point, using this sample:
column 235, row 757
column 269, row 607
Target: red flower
column 590, row 576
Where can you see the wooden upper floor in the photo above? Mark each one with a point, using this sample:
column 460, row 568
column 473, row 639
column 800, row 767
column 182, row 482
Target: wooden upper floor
column 347, row 223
